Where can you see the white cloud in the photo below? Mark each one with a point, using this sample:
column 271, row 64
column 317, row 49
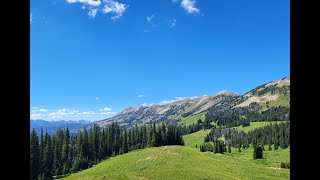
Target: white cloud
column 92, row 13
column 97, row 98
column 56, row 117
column 43, row 110
column 141, row 96
column 30, row 17
column 87, row 113
column 149, row 18
column 173, row 23
column 189, row 6
column 167, row 102
column 181, row 98
column 172, row 101
column 205, row 95
column 108, row 113
column 105, row 6
column 37, row 115
column 64, row 112
column 105, row 109
column 114, row 7
column 144, row 104
column 87, row 2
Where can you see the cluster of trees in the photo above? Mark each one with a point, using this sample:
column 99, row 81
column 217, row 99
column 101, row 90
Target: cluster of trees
column 232, row 117
column 60, row 153
column 196, row 127
column 217, row 147
column 273, row 89
column 273, row 134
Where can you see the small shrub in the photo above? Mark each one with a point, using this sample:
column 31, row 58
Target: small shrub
column 285, row 165
column 257, row 153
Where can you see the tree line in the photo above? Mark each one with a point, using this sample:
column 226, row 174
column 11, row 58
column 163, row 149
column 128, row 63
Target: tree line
column 196, row 127
column 61, row 153
column 226, row 116
column 273, row 134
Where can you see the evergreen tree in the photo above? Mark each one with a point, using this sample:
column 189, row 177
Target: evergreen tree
column 34, row 155
column 65, row 152
column 125, row 141
column 257, row 152
column 57, row 164
column 48, row 156
column 41, row 147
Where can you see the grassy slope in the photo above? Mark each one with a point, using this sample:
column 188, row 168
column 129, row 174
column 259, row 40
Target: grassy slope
column 254, row 125
column 193, row 119
column 197, row 138
column 282, row 100
column 179, row 162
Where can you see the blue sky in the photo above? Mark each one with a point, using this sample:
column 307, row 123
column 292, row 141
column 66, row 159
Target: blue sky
column 91, row 59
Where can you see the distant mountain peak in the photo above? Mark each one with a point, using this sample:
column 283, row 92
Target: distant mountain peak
column 225, row 92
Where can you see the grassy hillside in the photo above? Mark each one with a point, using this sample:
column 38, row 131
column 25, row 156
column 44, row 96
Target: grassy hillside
column 193, row 119
column 254, row 125
column 180, row 162
column 283, row 100
column 197, row 138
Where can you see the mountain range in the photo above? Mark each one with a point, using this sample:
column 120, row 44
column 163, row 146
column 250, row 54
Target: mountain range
column 272, row 94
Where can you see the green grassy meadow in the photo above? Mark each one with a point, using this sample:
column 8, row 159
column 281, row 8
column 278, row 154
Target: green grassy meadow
column 254, row 125
column 182, row 162
column 187, row 162
column 282, row 100
column 193, row 119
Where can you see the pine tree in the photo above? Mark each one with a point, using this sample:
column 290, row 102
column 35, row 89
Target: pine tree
column 41, row 146
column 125, row 141
column 65, row 152
column 257, row 152
column 57, row 164
column 48, row 156
column 34, row 155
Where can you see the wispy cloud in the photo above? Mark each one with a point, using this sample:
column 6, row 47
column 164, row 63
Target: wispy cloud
column 87, row 2
column 37, row 115
column 43, row 110
column 92, row 13
column 144, row 104
column 173, row 23
column 104, row 6
column 189, row 6
column 30, row 17
column 56, row 117
column 181, row 98
column 107, row 110
column 149, row 18
column 172, row 101
column 87, row 113
column 64, row 112
column 114, row 7
column 141, row 96
column 97, row 98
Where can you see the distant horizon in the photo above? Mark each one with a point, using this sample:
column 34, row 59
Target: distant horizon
column 92, row 59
